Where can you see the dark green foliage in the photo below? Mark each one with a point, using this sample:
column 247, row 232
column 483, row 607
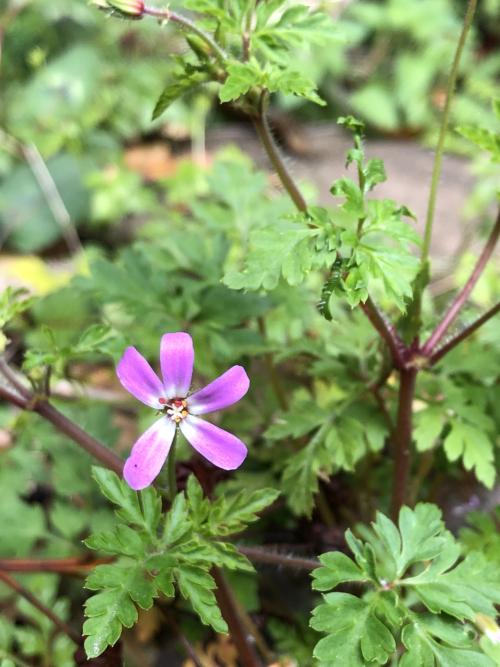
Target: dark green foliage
column 404, row 567
column 153, row 554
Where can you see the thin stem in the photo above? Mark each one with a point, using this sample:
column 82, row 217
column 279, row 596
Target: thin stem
column 29, row 401
column 265, row 135
column 246, row 652
column 436, row 171
column 465, row 333
column 75, row 565
column 386, row 331
column 25, row 593
column 184, row 22
column 172, row 478
column 463, row 295
column 258, row 555
column 402, row 440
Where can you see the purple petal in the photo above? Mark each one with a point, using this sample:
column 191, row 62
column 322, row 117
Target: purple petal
column 138, row 378
column 176, row 358
column 149, row 454
column 221, row 448
column 225, row 390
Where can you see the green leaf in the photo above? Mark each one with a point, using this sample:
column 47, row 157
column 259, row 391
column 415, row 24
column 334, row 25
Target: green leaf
column 428, row 427
column 232, row 514
column 485, row 139
column 197, row 586
column 475, row 447
column 186, row 79
column 119, row 493
column 356, row 636
column 284, row 248
column 423, row 651
column 337, row 569
column 463, row 591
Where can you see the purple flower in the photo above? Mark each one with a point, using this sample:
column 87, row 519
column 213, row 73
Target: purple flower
column 180, row 409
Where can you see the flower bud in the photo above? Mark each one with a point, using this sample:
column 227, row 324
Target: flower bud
column 128, row 8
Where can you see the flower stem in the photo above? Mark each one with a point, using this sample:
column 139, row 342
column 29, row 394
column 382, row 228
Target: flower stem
column 436, row 171
column 462, row 296
column 402, row 440
column 187, row 24
column 265, row 135
column 172, row 479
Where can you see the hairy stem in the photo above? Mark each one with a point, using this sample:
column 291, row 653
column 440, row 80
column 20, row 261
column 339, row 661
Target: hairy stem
column 386, row 331
column 187, row 24
column 265, row 556
column 28, row 595
column 265, row 135
column 436, row 171
column 246, row 652
column 401, row 440
column 468, row 331
column 463, row 295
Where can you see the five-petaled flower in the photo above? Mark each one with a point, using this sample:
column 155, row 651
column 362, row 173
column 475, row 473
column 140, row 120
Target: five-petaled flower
column 180, row 409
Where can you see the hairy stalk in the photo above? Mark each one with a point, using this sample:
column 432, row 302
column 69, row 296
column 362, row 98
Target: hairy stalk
column 265, row 135
column 187, row 24
column 401, row 440
column 436, row 171
column 28, row 595
column 386, row 331
column 265, row 556
column 463, row 295
column 246, row 652
column 468, row 331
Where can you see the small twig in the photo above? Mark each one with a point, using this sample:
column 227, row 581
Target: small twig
column 52, row 197
column 27, row 595
column 465, row 333
column 463, row 295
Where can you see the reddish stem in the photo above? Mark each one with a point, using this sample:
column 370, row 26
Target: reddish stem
column 247, row 654
column 462, row 296
column 60, row 565
column 468, row 331
column 386, row 331
column 401, row 438
column 29, row 401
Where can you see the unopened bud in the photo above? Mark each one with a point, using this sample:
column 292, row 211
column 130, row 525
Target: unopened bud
column 127, row 8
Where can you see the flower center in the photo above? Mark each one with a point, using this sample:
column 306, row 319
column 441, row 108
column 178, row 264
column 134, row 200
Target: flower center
column 175, row 408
